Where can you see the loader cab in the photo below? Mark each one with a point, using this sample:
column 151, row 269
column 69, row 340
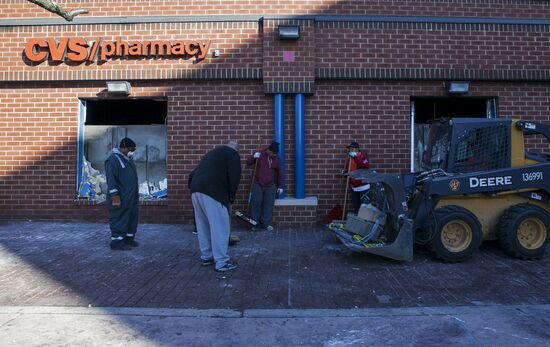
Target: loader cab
column 461, row 145
column 437, row 150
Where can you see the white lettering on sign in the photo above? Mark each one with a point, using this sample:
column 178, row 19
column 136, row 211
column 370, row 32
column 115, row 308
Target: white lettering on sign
column 490, row 181
column 532, row 176
column 536, row 196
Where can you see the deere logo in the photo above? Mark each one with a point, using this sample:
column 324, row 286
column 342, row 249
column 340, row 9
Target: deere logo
column 454, row 185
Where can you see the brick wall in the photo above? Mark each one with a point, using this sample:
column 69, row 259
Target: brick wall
column 431, row 46
column 287, row 64
column 360, row 75
column 38, row 155
column 458, row 8
column 238, row 43
column 377, row 115
column 38, row 143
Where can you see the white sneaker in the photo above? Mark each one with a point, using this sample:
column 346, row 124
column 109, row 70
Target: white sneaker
column 269, row 228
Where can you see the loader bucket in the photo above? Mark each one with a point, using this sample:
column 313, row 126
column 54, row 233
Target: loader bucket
column 393, row 191
column 400, row 249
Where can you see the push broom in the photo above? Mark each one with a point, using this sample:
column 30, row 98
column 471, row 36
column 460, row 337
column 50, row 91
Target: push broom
column 337, row 212
column 244, row 216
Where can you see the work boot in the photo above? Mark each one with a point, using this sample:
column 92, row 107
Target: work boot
column 131, row 242
column 119, row 245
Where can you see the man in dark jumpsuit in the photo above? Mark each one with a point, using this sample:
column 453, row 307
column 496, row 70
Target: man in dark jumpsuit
column 122, row 195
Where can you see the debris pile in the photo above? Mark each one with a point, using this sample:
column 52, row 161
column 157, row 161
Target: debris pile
column 93, row 185
column 153, row 191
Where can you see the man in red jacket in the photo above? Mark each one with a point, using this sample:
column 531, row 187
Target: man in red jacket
column 267, row 185
column 356, row 160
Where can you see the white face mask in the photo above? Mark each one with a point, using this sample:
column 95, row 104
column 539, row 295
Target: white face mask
column 131, row 153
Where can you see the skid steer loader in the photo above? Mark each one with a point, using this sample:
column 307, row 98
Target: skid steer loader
column 477, row 183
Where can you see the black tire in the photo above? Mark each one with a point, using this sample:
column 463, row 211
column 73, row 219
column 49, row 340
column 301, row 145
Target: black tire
column 456, row 233
column 523, row 231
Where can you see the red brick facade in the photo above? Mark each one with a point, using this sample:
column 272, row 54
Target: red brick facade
column 357, row 62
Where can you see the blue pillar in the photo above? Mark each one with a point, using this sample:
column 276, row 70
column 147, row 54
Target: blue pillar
column 299, row 147
column 279, row 110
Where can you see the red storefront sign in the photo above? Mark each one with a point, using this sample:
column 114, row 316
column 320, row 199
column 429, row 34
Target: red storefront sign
column 77, row 49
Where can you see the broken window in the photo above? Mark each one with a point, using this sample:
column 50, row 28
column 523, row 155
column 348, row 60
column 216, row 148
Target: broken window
column 104, row 122
column 424, row 110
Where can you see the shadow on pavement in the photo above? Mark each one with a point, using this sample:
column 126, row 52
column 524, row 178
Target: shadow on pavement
column 58, row 264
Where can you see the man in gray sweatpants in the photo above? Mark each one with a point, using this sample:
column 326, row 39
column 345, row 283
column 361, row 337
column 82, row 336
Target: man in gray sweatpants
column 213, row 185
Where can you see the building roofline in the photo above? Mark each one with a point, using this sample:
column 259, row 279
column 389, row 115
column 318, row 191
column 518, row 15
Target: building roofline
column 19, row 22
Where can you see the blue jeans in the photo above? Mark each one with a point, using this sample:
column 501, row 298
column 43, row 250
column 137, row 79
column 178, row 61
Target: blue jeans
column 263, row 199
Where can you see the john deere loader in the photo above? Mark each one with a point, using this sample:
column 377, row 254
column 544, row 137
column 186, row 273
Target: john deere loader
column 477, row 183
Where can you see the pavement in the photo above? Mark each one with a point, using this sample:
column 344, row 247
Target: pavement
column 60, row 284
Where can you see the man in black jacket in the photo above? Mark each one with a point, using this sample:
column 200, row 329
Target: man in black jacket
column 213, row 185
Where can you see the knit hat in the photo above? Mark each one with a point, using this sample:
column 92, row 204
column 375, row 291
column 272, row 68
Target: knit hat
column 353, row 145
column 274, row 147
column 127, row 143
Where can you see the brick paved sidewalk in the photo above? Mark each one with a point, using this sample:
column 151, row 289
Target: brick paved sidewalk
column 70, row 264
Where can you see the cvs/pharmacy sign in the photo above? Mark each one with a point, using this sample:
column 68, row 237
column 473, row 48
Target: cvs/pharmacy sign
column 77, row 49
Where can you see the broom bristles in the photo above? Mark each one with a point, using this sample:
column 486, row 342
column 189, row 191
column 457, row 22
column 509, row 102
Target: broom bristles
column 334, row 214
column 245, row 218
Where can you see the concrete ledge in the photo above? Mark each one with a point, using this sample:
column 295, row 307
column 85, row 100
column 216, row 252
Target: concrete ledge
column 308, row 201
